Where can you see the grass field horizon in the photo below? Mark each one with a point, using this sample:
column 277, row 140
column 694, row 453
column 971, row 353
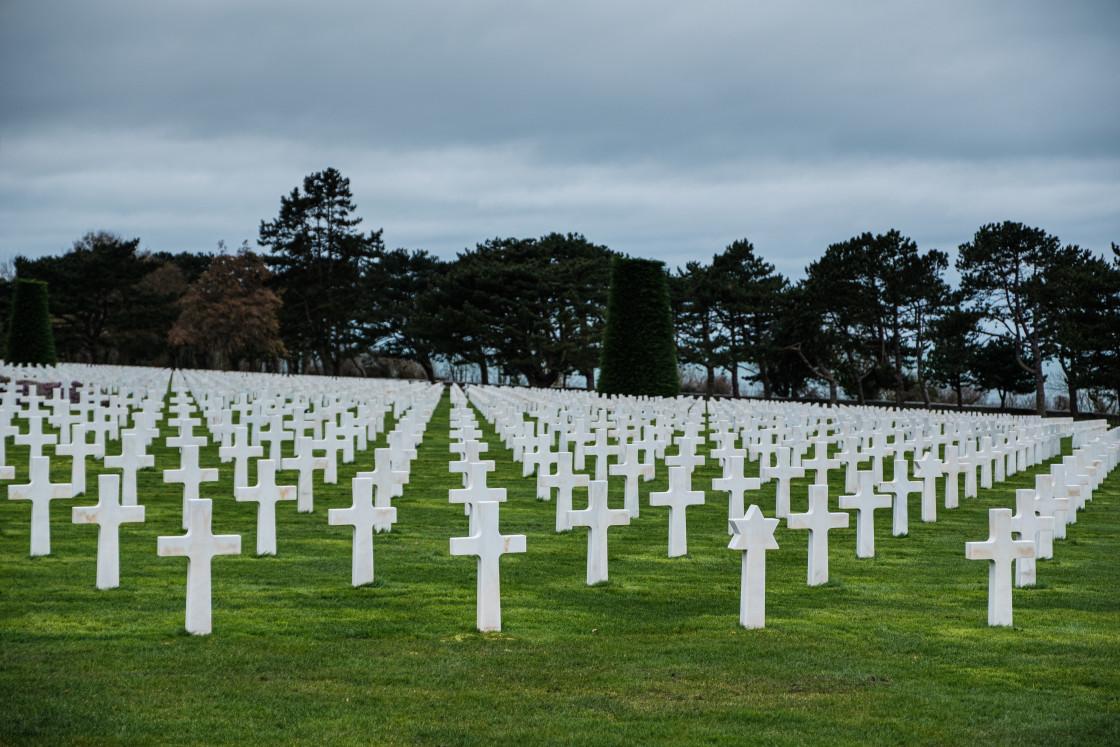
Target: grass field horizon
column 894, row 649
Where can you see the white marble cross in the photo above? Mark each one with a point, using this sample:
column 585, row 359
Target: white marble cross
column 597, row 517
column 564, row 480
column 385, row 479
column 1048, row 506
column 602, row 450
column 488, row 544
column 999, row 549
column 784, row 471
column 865, row 501
column 754, row 535
column 900, row 486
column 79, row 449
column 632, row 467
column 190, row 475
column 820, row 463
column 108, row 514
column 305, row 462
column 131, row 459
column 267, row 494
column 678, row 497
column 35, row 438
column 928, row 469
column 1029, row 525
column 686, row 455
column 476, row 491
column 736, row 484
column 40, row 491
column 951, row 468
column 199, row 545
column 240, row 451
column 364, row 517
column 275, row 436
column 818, row 520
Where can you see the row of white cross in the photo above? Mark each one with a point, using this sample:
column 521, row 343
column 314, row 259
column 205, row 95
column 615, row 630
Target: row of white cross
column 1042, row 513
column 200, row 544
column 634, row 434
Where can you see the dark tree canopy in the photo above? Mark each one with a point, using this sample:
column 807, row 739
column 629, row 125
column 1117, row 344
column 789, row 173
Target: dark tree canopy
column 230, row 312
column 535, row 306
column 30, row 338
column 639, row 354
column 326, row 269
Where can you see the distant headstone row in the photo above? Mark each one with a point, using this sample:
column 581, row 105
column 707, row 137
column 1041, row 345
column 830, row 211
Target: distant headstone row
column 558, row 437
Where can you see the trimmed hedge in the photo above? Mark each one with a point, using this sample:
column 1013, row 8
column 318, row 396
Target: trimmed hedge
column 30, row 337
column 639, row 354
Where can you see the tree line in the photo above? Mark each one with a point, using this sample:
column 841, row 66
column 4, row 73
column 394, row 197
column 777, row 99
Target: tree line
column 874, row 316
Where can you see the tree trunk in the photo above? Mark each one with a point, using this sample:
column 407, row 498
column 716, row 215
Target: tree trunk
column 484, row 373
column 710, row 386
column 734, row 371
column 767, row 386
column 1039, row 377
column 589, row 379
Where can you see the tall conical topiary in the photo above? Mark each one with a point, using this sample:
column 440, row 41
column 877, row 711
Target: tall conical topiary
column 639, row 355
column 30, row 337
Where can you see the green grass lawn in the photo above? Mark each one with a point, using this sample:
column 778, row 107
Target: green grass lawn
column 894, row 649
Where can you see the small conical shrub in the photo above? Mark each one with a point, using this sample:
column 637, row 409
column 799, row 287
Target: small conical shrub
column 30, row 337
column 639, row 354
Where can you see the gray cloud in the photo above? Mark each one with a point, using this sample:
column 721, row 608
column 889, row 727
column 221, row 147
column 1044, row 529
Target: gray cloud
column 660, row 129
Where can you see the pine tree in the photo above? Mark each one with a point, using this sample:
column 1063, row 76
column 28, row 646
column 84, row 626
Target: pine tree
column 639, row 354
column 30, row 337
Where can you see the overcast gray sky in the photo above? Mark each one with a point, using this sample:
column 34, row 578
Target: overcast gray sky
column 661, row 129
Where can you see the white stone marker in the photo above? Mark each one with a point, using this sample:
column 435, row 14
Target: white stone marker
column 384, row 481
column 1046, row 504
column 191, row 476
column 108, row 514
column 784, row 472
column 477, row 491
column 818, row 520
column 951, row 467
column 999, row 549
column 598, row 517
column 678, row 497
column 40, row 491
column 928, row 469
column 364, row 517
column 488, row 544
column 865, row 501
column 564, row 480
column 240, row 451
column 1029, row 525
column 266, row 493
column 79, row 449
column 131, row 459
column 305, row 462
column 754, row 535
column 632, row 468
column 736, row 484
column 901, row 486
column 199, row 545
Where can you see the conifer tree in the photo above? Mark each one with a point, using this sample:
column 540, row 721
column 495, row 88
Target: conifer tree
column 30, row 337
column 639, row 353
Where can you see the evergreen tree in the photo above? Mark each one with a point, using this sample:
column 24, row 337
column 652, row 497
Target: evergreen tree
column 325, row 269
column 639, row 356
column 30, row 337
column 1002, row 271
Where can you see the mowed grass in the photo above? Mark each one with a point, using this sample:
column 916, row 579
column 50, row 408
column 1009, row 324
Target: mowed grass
column 894, row 649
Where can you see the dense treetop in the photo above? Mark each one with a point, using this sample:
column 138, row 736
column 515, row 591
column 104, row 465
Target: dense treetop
column 874, row 316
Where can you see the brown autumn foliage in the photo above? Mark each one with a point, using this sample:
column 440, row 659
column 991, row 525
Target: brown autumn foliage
column 230, row 310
